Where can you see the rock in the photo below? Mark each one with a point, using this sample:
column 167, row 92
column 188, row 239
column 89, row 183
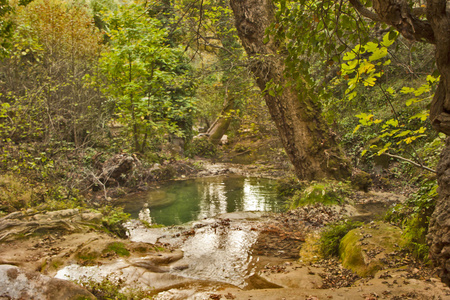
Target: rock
column 365, row 250
column 117, row 168
column 361, row 180
column 67, row 221
column 224, row 140
column 18, row 284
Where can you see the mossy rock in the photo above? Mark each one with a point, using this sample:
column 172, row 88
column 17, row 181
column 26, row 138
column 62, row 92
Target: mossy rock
column 365, row 250
column 361, row 180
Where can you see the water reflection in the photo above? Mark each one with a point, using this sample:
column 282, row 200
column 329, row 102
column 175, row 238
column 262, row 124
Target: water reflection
column 219, row 254
column 184, row 201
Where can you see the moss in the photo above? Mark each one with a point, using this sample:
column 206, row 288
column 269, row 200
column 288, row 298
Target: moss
column 87, row 257
column 351, row 252
column 363, row 250
column 56, row 264
column 361, row 180
column 118, row 248
column 310, row 251
column 331, row 237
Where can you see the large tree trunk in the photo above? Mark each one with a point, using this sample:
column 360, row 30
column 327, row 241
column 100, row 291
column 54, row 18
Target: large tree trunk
column 304, row 134
column 439, row 228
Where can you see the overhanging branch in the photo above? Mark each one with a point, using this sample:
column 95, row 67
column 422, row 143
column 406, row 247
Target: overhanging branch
column 398, row 14
column 410, row 161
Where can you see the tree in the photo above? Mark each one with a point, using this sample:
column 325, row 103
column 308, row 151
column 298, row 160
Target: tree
column 55, row 46
column 295, row 110
column 145, row 77
column 229, row 55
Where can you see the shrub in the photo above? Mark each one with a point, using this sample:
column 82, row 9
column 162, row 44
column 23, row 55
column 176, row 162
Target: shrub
column 332, row 235
column 113, row 219
column 327, row 193
column 287, row 187
column 413, row 217
column 113, row 288
column 201, row 147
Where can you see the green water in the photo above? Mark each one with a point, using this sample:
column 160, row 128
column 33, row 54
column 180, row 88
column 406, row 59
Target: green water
column 183, row 201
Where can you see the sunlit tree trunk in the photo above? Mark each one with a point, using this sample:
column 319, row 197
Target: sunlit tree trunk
column 220, row 126
column 304, row 134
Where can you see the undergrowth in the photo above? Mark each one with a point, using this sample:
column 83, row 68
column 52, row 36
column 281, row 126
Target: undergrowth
column 327, row 193
column 332, row 235
column 413, row 217
column 114, row 288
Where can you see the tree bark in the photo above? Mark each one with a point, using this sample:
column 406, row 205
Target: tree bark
column 439, row 228
column 306, row 138
column 221, row 124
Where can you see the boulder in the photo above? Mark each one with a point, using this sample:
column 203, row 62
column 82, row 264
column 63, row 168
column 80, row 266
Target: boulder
column 16, row 283
column 365, row 250
column 117, row 168
column 361, row 180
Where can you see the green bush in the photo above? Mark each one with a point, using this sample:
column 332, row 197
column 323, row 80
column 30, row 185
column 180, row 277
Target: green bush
column 113, row 220
column 201, row 147
column 113, row 288
column 327, row 193
column 287, row 187
column 413, row 217
column 332, row 235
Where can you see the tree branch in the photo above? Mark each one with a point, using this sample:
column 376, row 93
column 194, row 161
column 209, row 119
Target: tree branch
column 410, row 161
column 364, row 11
column 398, row 14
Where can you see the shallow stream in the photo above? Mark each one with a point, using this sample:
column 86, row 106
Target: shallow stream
column 215, row 222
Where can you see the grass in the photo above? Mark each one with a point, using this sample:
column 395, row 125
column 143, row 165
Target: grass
column 117, row 247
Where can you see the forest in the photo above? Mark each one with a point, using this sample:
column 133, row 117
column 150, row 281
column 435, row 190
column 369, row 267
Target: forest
column 102, row 99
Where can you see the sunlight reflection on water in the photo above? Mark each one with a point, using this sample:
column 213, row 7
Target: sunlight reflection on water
column 220, row 254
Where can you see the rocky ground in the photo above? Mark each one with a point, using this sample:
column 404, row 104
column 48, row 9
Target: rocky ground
column 285, row 262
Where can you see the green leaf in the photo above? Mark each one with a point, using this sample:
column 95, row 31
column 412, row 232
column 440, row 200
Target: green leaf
column 403, row 133
column 390, row 90
column 407, row 90
column 349, row 55
column 378, row 54
column 389, row 38
column 392, row 122
column 382, row 151
column 393, row 35
column 422, row 116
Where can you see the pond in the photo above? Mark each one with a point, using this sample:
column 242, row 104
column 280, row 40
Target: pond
column 180, row 202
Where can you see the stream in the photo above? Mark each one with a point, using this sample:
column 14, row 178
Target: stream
column 211, row 220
